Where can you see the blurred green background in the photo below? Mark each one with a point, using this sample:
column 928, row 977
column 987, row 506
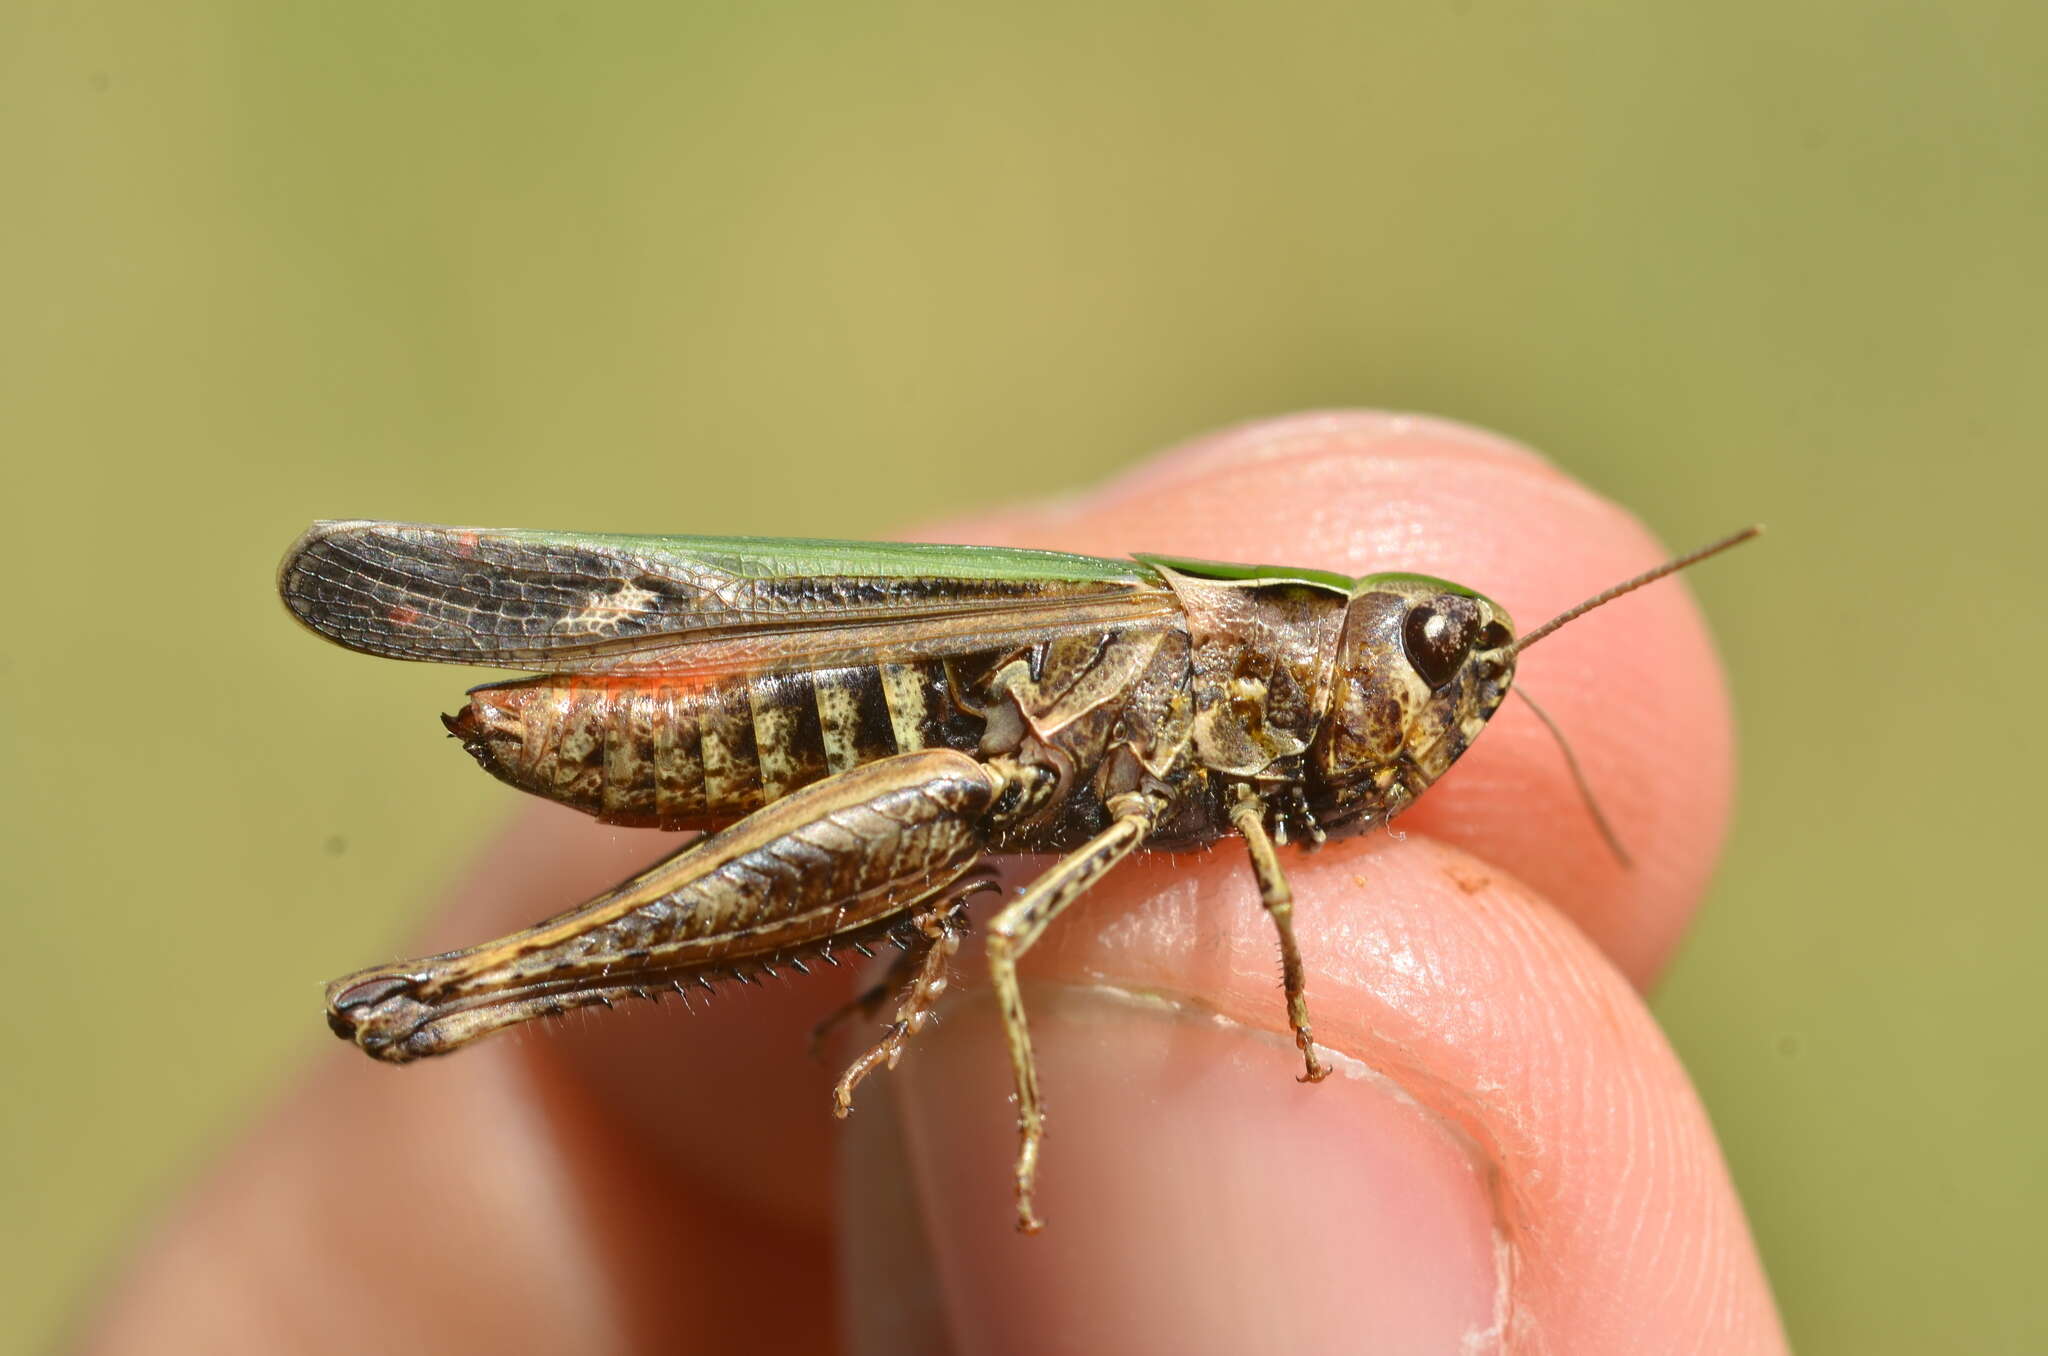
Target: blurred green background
column 828, row 269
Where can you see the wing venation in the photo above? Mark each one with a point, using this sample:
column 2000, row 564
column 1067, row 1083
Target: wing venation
column 563, row 602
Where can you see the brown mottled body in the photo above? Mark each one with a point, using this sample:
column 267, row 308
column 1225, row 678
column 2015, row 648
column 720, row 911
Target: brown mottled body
column 1231, row 685
column 858, row 726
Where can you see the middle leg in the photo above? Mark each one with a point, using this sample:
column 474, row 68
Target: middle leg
column 1248, row 815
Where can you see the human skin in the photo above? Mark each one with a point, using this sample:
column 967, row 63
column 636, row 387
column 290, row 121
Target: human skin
column 1508, row 1158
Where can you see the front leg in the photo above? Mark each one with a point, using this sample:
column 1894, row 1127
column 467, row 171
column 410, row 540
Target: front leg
column 1248, row 814
column 1011, row 935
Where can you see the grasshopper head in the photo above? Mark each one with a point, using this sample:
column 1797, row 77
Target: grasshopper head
column 1421, row 666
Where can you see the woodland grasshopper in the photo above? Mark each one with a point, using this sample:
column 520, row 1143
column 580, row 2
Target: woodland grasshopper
column 857, row 725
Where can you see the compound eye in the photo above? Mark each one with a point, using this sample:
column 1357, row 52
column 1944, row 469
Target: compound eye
column 1436, row 642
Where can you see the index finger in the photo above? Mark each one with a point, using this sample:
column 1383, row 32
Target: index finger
column 1511, row 1156
column 1636, row 687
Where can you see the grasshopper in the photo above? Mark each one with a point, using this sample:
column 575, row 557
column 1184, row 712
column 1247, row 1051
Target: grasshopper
column 857, row 726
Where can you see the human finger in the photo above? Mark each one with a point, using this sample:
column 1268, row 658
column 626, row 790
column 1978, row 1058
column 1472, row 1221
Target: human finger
column 1508, row 1157
column 1435, row 1191
column 1636, row 686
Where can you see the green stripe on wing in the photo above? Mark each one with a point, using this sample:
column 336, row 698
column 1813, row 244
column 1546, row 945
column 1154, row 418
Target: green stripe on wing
column 587, row 602
column 790, row 557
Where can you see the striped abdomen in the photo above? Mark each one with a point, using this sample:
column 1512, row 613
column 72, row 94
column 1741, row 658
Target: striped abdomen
column 693, row 751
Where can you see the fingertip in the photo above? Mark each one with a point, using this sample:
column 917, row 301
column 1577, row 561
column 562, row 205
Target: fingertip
column 1301, row 434
column 1637, row 687
column 1514, row 1159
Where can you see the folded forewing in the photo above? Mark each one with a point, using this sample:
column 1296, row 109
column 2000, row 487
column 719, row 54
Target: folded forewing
column 575, row 602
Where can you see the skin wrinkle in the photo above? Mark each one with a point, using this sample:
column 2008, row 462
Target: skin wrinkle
column 1489, row 1339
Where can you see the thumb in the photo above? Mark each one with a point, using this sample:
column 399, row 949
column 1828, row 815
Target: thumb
column 1508, row 1158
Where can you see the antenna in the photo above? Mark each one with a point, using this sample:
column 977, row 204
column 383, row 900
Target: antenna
column 1672, row 566
column 1571, row 760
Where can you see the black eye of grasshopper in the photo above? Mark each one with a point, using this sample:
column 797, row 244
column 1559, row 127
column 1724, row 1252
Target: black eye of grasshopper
column 1437, row 642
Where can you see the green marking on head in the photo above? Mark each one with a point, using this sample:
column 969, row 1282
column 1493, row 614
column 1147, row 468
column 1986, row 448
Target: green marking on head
column 1367, row 583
